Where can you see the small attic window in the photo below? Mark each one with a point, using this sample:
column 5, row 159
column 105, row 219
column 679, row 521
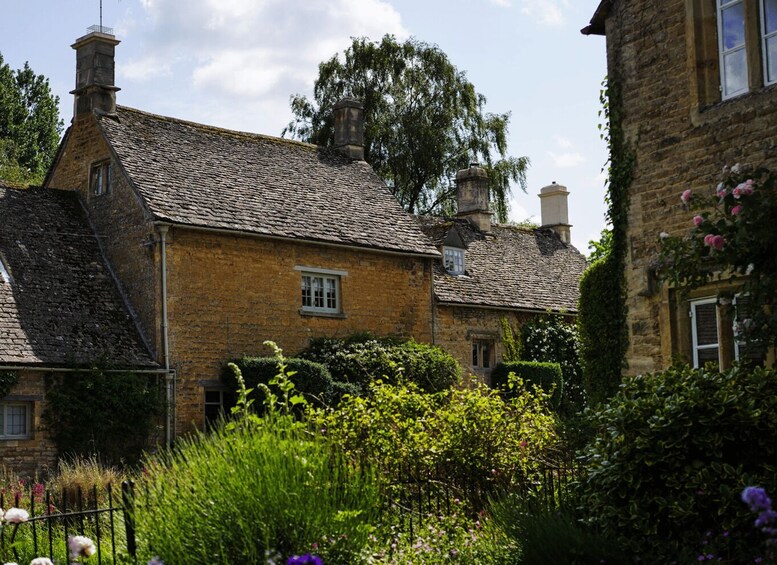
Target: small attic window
column 100, row 178
column 4, row 276
column 454, row 260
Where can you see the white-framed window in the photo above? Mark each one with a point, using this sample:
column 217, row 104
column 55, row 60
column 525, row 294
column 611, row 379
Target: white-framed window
column 704, row 331
column 321, row 290
column 453, row 258
column 769, row 39
column 732, row 48
column 15, row 420
column 482, row 353
column 101, row 176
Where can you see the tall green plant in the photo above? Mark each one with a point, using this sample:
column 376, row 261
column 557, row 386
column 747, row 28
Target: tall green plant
column 511, row 342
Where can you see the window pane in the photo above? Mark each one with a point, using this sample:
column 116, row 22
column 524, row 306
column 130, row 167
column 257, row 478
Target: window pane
column 331, row 293
column 706, row 324
column 708, row 356
column 213, row 397
column 771, row 59
column 2, row 420
column 307, row 296
column 486, row 355
column 734, row 72
column 16, row 417
column 318, row 292
column 770, row 15
column 475, row 356
column 733, row 26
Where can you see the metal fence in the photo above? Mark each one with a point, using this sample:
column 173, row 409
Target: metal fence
column 101, row 514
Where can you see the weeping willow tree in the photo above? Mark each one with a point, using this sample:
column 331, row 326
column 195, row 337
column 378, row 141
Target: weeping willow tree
column 423, row 122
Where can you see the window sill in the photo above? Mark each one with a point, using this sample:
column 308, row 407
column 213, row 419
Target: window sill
column 723, row 109
column 313, row 313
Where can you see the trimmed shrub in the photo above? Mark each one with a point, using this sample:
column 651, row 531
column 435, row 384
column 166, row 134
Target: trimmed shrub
column 547, row 376
column 672, row 453
column 602, row 329
column 361, row 359
column 311, row 379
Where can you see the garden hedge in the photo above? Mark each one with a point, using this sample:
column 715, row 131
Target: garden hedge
column 545, row 375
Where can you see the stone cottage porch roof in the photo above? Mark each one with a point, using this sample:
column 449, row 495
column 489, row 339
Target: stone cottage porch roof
column 510, row 267
column 59, row 305
column 197, row 175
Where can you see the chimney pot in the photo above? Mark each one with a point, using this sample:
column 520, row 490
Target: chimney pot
column 349, row 127
column 555, row 210
column 95, row 65
column 472, row 196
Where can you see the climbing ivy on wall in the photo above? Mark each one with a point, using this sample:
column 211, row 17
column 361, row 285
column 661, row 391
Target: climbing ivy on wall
column 602, row 307
column 7, row 380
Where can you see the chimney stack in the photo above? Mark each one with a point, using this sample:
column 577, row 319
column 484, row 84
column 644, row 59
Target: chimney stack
column 349, row 128
column 95, row 90
column 472, row 196
column 554, row 210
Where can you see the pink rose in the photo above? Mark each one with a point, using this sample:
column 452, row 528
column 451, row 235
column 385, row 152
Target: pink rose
column 698, row 220
column 721, row 190
column 718, row 242
column 736, row 210
column 737, row 192
column 708, row 239
column 686, row 196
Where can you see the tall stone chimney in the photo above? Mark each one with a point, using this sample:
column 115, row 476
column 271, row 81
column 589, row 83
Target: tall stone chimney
column 472, row 196
column 349, row 128
column 95, row 90
column 555, row 211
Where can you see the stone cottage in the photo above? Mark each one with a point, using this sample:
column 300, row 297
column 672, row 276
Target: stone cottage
column 697, row 81
column 205, row 242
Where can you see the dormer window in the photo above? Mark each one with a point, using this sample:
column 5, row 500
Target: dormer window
column 100, row 178
column 454, row 260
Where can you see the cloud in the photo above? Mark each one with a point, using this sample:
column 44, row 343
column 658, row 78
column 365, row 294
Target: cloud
column 566, row 160
column 547, row 12
column 562, row 142
column 503, row 3
column 247, row 49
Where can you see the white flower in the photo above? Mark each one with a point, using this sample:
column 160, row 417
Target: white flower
column 16, row 516
column 736, row 168
column 750, row 269
column 41, row 561
column 80, row 546
column 10, row 563
column 663, row 235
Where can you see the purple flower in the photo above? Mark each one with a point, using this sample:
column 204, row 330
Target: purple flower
column 757, row 499
column 685, row 197
column 698, row 220
column 306, row 559
column 736, row 210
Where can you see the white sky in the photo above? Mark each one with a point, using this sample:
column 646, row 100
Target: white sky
column 235, row 63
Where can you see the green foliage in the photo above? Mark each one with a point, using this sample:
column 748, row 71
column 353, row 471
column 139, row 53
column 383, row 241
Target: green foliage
column 601, row 248
column 110, row 415
column 733, row 238
column 7, row 380
column 311, row 379
column 672, row 453
column 254, row 493
column 29, row 125
column 600, row 328
column 547, row 376
column 362, row 359
column 602, row 307
column 511, row 341
column 423, row 122
column 470, row 439
column 553, row 338
column 538, row 536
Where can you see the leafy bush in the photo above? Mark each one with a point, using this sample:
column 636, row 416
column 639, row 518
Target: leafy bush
column 672, row 453
column 311, row 379
column 547, row 376
column 553, row 338
column 601, row 328
column 469, row 439
column 539, row 536
column 110, row 415
column 362, row 359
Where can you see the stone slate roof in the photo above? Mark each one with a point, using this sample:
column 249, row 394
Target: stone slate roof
column 512, row 267
column 198, row 175
column 59, row 305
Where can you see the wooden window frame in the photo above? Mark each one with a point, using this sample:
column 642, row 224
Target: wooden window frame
column 478, row 357
column 28, row 410
column 330, row 279
column 100, row 178
column 453, row 260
